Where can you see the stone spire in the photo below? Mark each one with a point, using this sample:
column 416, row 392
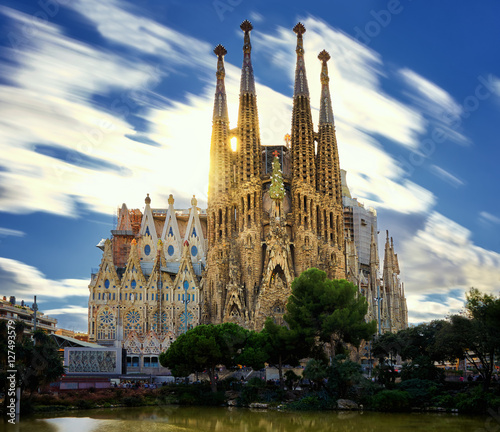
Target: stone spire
column 328, row 179
column 248, row 149
column 220, row 104
column 247, row 84
column 303, row 163
column 373, row 250
column 220, row 150
column 301, row 88
column 325, row 111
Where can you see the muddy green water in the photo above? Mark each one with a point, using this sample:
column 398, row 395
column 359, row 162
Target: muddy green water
column 154, row 419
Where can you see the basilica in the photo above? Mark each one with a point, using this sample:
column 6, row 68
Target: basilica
column 273, row 212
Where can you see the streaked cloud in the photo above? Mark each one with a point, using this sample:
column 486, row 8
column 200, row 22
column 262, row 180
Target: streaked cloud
column 144, row 35
column 70, row 317
column 436, row 104
column 446, row 176
column 11, row 232
column 24, row 281
column 441, row 258
column 489, row 218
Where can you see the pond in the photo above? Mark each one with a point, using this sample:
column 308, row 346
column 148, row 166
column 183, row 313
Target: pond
column 201, row 419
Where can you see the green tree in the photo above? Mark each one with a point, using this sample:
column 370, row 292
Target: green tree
column 37, row 360
column 418, row 345
column 328, row 311
column 316, row 371
column 343, row 374
column 475, row 333
column 283, row 346
column 205, row 347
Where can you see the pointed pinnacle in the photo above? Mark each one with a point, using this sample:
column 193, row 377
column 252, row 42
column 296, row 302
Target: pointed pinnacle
column 220, row 51
column 246, row 26
column 324, row 56
column 299, row 29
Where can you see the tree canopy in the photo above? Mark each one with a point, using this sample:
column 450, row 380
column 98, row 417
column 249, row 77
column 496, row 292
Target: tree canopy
column 475, row 334
column 330, row 311
column 205, row 347
column 37, row 360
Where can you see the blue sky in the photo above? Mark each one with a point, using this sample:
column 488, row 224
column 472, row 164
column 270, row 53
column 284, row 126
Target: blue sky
column 103, row 102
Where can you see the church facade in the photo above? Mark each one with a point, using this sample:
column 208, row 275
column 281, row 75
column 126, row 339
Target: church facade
column 273, row 212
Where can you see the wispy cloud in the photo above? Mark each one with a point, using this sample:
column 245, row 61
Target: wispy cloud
column 11, row 232
column 446, row 176
column 489, row 218
column 435, row 103
column 441, row 258
column 24, row 281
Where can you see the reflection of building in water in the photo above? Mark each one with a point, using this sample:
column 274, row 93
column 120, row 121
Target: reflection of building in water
column 273, row 212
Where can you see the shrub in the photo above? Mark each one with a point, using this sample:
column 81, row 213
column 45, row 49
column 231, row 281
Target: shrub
column 131, row 401
column 256, row 382
column 422, row 368
column 391, row 400
column 476, row 401
column 84, row 404
column 420, row 391
column 318, row 401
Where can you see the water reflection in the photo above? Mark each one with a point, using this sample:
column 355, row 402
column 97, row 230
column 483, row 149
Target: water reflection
column 199, row 419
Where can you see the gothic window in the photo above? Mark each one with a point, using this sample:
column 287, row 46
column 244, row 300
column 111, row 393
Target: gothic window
column 133, row 321
column 158, row 326
column 106, row 325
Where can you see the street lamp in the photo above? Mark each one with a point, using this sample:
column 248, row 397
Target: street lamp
column 378, row 299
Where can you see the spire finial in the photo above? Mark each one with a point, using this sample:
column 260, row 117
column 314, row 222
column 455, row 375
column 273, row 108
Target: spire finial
column 299, row 29
column 246, row 26
column 194, row 201
column 220, row 107
column 171, row 199
column 325, row 112
column 247, row 84
column 301, row 88
column 147, row 200
column 220, row 51
column 324, row 57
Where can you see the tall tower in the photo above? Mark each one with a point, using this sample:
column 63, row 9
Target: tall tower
column 219, row 211
column 330, row 219
column 304, row 200
column 248, row 185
